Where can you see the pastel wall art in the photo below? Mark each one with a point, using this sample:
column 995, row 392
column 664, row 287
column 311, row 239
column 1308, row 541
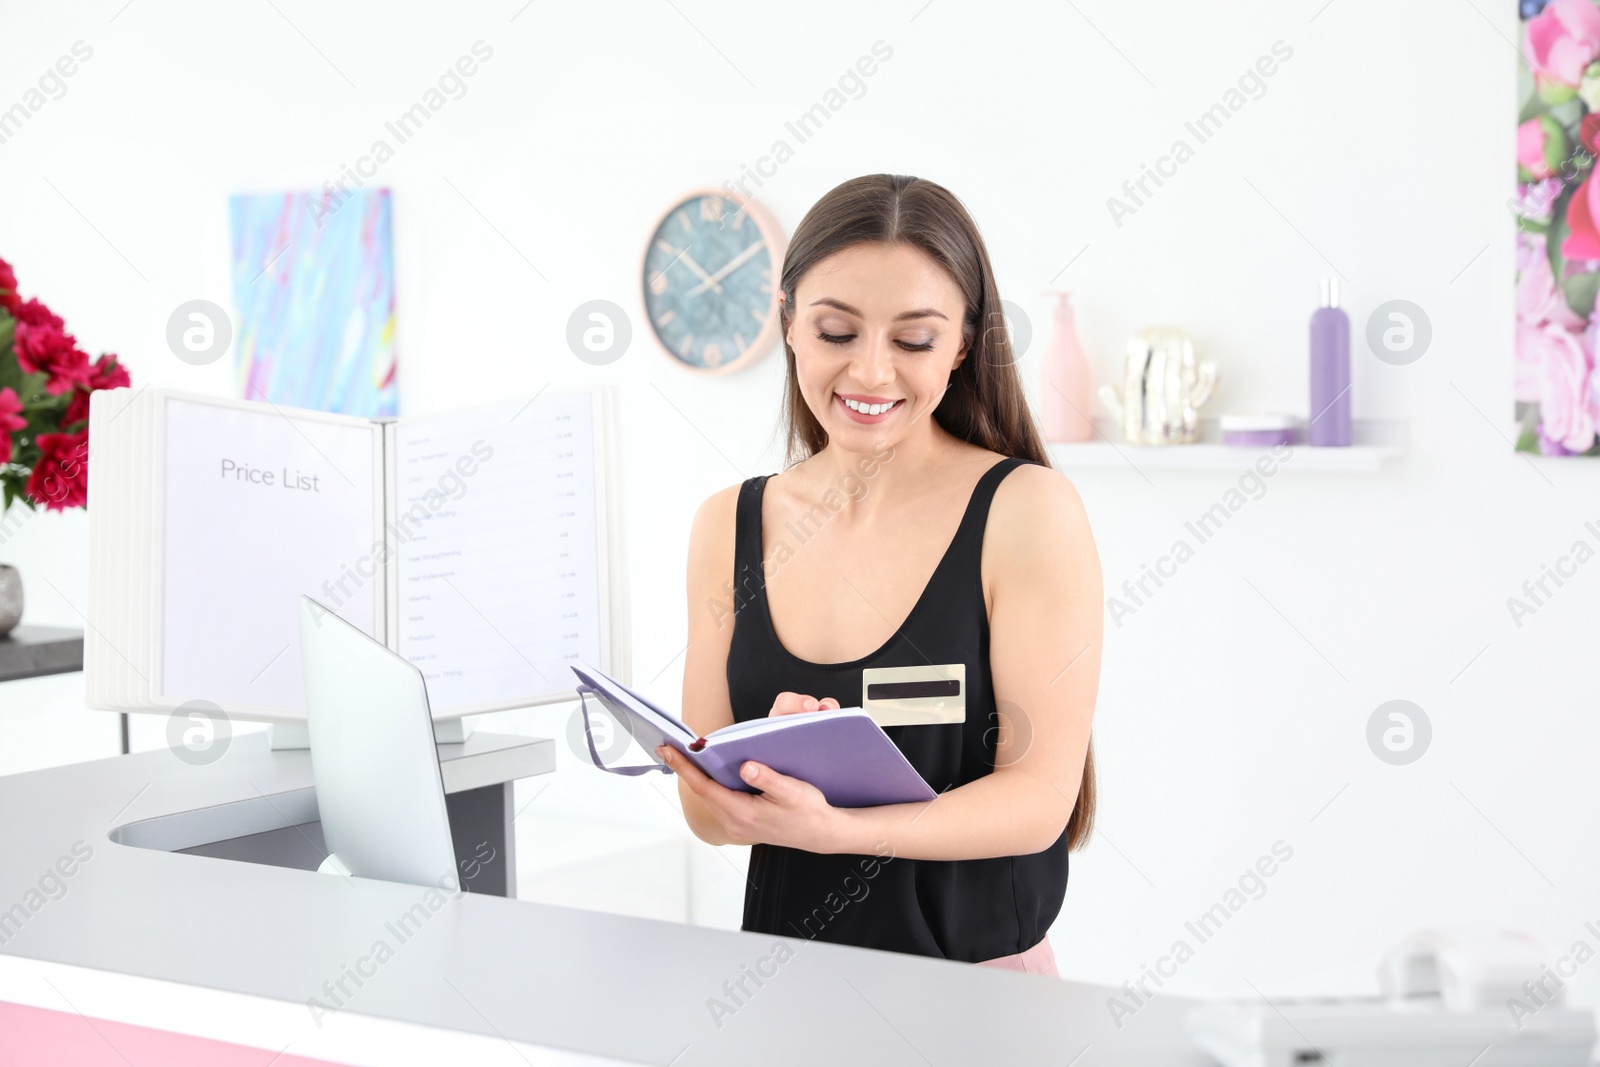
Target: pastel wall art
column 313, row 286
column 1557, row 206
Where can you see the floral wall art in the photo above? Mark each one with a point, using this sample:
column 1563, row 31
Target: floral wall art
column 1557, row 204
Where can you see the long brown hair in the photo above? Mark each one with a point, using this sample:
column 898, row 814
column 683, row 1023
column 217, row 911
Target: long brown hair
column 985, row 403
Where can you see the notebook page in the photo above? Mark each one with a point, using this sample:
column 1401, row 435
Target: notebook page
column 621, row 690
column 650, row 713
column 497, row 568
column 752, row 727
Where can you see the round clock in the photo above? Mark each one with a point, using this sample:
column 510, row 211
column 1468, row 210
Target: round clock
column 710, row 292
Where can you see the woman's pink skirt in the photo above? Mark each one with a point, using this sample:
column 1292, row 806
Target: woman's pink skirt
column 1039, row 959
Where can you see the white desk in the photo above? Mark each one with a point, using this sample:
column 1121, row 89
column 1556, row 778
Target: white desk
column 232, row 950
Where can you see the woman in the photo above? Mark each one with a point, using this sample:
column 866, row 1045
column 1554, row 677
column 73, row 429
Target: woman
column 918, row 457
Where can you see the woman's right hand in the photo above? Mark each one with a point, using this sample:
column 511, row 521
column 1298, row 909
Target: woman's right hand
column 793, row 703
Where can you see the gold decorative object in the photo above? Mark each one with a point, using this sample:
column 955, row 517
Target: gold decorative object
column 1163, row 388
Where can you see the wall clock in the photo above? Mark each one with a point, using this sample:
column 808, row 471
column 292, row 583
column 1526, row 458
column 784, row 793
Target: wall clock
column 710, row 285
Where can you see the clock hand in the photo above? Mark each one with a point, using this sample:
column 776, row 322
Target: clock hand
column 727, row 268
column 689, row 262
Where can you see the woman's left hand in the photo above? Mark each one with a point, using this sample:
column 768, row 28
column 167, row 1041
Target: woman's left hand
column 787, row 811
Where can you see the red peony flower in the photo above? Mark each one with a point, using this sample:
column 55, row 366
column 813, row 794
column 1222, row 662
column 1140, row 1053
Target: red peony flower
column 8, row 281
column 77, row 409
column 33, row 313
column 11, row 420
column 43, row 349
column 42, row 346
column 60, row 478
column 106, row 373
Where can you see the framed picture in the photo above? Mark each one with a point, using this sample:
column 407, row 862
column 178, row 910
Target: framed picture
column 313, row 283
column 1557, row 206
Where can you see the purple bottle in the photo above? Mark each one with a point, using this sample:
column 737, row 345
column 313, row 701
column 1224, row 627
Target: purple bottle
column 1330, row 371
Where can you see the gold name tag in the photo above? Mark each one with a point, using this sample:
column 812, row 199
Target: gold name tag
column 915, row 696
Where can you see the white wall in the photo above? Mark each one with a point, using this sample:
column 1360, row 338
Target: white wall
column 1233, row 707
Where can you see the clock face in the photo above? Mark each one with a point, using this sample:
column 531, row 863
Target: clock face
column 709, row 290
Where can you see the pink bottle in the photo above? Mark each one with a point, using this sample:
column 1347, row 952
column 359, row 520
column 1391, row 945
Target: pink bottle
column 1065, row 380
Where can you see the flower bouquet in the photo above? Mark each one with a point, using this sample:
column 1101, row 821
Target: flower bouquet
column 45, row 382
column 1557, row 206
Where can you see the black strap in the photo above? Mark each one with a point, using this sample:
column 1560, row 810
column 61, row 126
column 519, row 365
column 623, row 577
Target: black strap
column 594, row 754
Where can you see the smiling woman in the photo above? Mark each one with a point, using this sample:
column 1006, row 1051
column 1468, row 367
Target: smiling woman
column 895, row 343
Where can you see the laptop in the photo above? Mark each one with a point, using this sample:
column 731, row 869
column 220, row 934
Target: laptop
column 380, row 793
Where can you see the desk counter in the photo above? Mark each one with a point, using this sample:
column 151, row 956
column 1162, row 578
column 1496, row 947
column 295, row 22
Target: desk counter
column 101, row 917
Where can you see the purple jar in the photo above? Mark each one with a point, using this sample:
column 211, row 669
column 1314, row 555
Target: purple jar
column 1259, row 431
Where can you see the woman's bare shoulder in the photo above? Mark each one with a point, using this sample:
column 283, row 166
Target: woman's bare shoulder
column 1037, row 516
column 711, row 535
column 1033, row 490
column 710, row 566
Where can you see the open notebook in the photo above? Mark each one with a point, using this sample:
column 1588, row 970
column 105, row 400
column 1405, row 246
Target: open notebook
column 843, row 753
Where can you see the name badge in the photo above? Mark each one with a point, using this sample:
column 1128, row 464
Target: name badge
column 915, row 696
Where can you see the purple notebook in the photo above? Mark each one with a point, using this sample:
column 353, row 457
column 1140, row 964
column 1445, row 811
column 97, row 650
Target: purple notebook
column 843, row 753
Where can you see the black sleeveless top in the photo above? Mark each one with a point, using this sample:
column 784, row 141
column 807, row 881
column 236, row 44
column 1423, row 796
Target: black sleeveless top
column 967, row 910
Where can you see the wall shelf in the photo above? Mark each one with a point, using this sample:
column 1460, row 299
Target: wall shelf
column 35, row 651
column 1377, row 442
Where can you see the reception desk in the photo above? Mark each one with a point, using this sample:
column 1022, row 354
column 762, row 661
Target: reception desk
column 147, row 904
